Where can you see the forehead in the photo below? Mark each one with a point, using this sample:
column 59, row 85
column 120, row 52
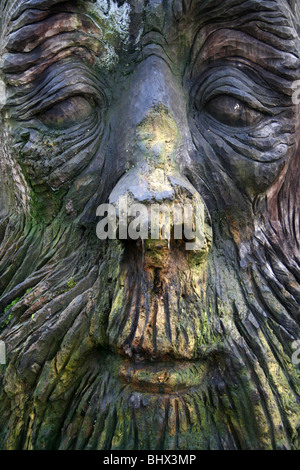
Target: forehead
column 264, row 32
column 197, row 10
column 132, row 18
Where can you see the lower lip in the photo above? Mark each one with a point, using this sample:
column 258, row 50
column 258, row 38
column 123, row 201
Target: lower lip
column 164, row 378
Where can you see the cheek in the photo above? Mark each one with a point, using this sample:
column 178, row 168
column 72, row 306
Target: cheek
column 53, row 163
column 52, row 158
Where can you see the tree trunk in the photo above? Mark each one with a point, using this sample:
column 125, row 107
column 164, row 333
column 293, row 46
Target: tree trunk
column 149, row 343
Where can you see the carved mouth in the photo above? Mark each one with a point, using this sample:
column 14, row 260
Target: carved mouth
column 162, row 377
column 159, row 307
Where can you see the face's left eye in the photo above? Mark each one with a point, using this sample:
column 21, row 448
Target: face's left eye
column 67, row 113
column 232, row 112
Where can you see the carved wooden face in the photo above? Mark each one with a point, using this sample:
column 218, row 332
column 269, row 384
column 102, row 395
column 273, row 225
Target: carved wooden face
column 145, row 344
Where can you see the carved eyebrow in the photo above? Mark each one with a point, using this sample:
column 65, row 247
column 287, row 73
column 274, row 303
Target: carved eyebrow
column 11, row 11
column 38, row 36
column 38, row 33
column 56, row 38
column 279, row 18
column 28, row 23
column 230, row 9
column 261, row 32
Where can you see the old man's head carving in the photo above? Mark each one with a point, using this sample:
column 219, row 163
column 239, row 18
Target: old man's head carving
column 142, row 343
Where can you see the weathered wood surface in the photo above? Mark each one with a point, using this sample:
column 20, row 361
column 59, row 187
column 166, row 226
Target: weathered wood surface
column 113, row 345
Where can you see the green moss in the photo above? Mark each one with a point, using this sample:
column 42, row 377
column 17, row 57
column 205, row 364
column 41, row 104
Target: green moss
column 11, row 304
column 44, row 207
column 44, row 204
column 8, row 307
column 70, row 284
column 10, row 316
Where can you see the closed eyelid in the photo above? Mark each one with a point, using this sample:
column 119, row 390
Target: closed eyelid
column 67, row 113
column 232, row 112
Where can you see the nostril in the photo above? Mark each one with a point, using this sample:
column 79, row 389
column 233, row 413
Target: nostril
column 25, row 135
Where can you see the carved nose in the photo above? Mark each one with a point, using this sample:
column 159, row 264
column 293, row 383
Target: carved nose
column 147, row 185
column 169, row 209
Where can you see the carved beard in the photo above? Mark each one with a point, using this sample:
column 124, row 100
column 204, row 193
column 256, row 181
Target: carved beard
column 232, row 384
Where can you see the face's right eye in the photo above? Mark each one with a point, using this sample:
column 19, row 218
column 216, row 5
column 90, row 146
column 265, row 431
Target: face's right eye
column 67, row 113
